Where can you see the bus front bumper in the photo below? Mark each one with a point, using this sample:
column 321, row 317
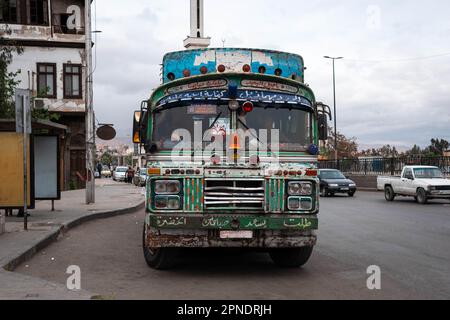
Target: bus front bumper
column 230, row 231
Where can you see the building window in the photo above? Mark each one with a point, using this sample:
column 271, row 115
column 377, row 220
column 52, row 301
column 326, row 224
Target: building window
column 8, row 11
column 46, row 84
column 38, row 12
column 72, row 81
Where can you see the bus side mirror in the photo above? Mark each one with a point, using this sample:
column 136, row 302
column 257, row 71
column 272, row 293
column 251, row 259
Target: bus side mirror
column 323, row 126
column 137, row 127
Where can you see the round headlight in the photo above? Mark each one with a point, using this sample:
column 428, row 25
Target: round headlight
column 306, row 188
column 160, row 187
column 173, row 203
column 294, row 188
column 161, row 202
column 173, row 187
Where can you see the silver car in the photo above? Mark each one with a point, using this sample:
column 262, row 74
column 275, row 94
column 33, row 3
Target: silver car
column 120, row 174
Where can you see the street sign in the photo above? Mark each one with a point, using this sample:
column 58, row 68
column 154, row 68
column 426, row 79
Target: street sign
column 22, row 98
column 106, row 132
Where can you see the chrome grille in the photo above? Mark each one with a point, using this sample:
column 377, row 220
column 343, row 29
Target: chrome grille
column 240, row 194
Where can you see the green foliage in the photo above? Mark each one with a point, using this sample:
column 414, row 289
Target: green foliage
column 386, row 151
column 106, row 158
column 44, row 114
column 436, row 148
column 347, row 147
column 8, row 83
column 128, row 160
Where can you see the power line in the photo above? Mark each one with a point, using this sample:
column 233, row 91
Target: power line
column 403, row 59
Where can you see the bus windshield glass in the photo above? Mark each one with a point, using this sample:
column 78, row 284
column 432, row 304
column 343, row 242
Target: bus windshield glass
column 292, row 125
column 171, row 126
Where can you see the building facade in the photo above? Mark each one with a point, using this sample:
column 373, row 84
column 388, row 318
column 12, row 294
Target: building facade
column 52, row 67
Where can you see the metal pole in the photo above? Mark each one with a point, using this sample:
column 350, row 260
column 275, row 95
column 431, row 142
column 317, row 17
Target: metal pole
column 335, row 125
column 90, row 135
column 25, row 165
column 334, row 100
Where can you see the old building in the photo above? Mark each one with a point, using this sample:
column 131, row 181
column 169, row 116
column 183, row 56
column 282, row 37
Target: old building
column 51, row 32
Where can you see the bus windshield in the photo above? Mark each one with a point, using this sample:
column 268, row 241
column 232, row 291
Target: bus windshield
column 290, row 128
column 172, row 125
column 293, row 126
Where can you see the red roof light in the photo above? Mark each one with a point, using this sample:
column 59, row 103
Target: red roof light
column 246, row 68
column 186, row 73
column 247, row 107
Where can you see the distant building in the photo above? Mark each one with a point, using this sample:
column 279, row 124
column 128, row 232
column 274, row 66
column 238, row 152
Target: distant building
column 52, row 67
column 447, row 153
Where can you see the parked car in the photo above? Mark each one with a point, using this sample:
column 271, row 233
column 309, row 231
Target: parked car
column 421, row 182
column 333, row 181
column 140, row 178
column 106, row 172
column 120, row 174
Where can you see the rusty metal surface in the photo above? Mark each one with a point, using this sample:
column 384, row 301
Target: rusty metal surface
column 211, row 239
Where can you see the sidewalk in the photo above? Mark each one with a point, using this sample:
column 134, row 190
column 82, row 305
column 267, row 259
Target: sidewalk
column 45, row 226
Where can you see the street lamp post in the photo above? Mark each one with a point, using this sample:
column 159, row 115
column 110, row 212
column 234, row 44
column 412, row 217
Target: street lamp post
column 90, row 130
column 334, row 100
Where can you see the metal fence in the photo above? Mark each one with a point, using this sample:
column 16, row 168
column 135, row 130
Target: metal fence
column 384, row 166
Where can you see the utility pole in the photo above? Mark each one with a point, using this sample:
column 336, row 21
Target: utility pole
column 334, row 100
column 90, row 132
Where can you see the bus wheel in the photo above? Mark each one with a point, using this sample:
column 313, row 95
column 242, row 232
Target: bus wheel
column 159, row 258
column 291, row 257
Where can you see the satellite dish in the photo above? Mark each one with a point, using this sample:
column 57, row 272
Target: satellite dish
column 106, row 132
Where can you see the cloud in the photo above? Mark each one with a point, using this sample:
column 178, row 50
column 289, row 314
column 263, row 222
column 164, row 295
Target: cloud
column 405, row 102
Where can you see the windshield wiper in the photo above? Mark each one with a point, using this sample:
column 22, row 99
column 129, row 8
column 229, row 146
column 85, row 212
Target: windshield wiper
column 245, row 126
column 215, row 120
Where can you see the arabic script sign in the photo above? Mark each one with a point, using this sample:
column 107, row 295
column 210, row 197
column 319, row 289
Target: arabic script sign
column 243, row 95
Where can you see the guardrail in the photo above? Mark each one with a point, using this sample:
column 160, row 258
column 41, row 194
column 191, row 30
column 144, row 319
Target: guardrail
column 384, row 166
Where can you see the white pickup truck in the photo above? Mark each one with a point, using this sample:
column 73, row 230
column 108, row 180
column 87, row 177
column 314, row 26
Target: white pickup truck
column 421, row 182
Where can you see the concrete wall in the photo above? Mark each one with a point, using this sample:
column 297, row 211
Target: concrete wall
column 27, row 64
column 364, row 181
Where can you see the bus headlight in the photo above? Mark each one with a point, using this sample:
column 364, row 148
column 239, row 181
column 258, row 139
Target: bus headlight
column 167, row 187
column 298, row 188
column 299, row 203
column 167, row 202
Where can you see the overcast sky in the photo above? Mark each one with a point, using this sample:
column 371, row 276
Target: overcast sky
column 384, row 94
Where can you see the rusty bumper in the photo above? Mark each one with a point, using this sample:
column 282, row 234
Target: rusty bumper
column 211, row 239
column 200, row 231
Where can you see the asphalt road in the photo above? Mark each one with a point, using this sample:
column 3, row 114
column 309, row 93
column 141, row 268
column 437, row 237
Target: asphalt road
column 409, row 242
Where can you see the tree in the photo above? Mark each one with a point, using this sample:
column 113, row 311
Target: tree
column 438, row 146
column 347, row 147
column 128, row 160
column 106, row 158
column 386, row 151
column 8, row 82
column 414, row 151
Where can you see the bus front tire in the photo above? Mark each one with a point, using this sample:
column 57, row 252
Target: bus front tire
column 159, row 258
column 291, row 257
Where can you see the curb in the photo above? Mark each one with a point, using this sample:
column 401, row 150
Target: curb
column 61, row 230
